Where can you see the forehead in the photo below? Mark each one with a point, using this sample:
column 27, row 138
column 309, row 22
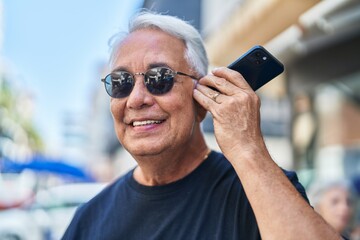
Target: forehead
column 149, row 45
column 336, row 191
column 150, row 36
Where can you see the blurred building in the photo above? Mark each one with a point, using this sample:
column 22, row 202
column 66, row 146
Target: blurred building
column 322, row 79
column 310, row 112
column 187, row 9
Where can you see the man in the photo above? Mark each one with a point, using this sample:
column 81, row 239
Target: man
column 180, row 189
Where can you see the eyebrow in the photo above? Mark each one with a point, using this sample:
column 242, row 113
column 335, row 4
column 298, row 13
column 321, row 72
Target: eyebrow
column 159, row 64
column 118, row 69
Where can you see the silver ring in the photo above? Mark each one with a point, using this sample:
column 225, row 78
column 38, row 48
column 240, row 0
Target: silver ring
column 215, row 96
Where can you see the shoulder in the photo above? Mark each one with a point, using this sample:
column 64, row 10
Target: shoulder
column 216, row 165
column 219, row 171
column 108, row 194
column 219, row 161
column 293, row 178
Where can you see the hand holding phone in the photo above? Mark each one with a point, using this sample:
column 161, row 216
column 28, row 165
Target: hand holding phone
column 257, row 66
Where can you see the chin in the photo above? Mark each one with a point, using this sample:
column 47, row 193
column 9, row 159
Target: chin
column 144, row 150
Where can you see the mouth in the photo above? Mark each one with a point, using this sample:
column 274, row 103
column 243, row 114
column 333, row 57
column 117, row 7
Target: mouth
column 146, row 122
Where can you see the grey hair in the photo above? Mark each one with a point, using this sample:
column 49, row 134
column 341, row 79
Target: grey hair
column 318, row 189
column 195, row 53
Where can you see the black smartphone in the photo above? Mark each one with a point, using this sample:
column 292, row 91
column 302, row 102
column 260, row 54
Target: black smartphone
column 257, row 66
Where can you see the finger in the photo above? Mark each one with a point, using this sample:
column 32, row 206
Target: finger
column 232, row 76
column 214, row 95
column 203, row 99
column 220, row 84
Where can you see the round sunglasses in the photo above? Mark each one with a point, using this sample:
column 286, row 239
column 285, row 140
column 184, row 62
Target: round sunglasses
column 158, row 81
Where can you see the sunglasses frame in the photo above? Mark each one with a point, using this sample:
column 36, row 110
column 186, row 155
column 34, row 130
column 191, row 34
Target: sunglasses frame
column 146, row 75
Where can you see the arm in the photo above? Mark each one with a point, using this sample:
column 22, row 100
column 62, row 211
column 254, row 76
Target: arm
column 280, row 210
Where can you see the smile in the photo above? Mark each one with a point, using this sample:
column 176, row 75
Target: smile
column 146, row 122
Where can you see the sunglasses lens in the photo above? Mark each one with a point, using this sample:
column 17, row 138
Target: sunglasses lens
column 159, row 80
column 119, row 84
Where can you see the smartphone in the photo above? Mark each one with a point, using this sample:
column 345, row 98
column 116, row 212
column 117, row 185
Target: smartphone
column 257, row 66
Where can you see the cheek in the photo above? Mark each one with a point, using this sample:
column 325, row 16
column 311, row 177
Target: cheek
column 185, row 114
column 184, row 103
column 116, row 109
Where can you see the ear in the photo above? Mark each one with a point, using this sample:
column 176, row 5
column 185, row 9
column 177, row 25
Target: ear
column 200, row 112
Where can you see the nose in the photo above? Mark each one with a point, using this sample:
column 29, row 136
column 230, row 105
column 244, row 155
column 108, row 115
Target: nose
column 139, row 96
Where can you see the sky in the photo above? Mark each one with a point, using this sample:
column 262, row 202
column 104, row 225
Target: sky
column 54, row 49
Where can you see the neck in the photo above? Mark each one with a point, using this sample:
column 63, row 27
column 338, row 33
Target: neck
column 170, row 165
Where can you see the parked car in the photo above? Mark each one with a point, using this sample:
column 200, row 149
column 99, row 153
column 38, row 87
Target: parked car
column 59, row 204
column 18, row 224
column 49, row 215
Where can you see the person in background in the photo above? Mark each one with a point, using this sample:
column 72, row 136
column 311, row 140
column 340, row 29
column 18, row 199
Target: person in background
column 333, row 200
column 160, row 92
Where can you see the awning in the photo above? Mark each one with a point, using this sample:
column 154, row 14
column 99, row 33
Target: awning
column 254, row 23
column 43, row 164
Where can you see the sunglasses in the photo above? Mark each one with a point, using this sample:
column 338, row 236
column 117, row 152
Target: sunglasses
column 158, row 81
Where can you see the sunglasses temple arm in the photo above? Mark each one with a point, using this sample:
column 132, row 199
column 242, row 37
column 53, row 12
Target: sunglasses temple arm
column 190, row 76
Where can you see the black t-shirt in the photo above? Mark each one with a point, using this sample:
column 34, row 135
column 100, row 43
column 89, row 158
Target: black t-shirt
column 209, row 203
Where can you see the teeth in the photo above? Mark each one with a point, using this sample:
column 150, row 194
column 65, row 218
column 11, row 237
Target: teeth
column 147, row 122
